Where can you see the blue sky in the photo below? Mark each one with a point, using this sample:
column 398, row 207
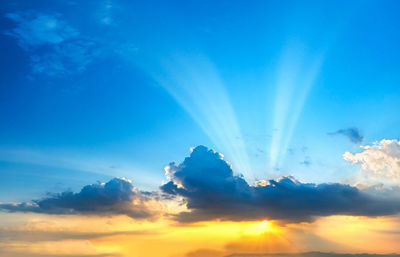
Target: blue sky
column 99, row 89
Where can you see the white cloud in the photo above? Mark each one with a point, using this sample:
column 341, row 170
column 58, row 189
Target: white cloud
column 381, row 159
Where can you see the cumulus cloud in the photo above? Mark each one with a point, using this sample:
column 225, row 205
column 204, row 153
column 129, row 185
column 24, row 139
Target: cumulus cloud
column 55, row 48
column 381, row 159
column 211, row 191
column 117, row 196
column 353, row 134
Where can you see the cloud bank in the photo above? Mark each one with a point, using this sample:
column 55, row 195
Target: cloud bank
column 314, row 254
column 212, row 191
column 117, row 196
column 381, row 159
column 353, row 134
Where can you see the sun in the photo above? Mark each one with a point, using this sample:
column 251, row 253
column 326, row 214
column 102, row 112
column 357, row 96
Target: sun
column 259, row 227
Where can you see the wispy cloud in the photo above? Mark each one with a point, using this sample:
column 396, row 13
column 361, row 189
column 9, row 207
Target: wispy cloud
column 55, row 48
column 64, row 248
column 105, row 12
column 353, row 134
column 35, row 29
column 29, row 235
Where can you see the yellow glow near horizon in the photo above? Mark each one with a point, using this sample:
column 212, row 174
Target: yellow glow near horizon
column 259, row 228
column 130, row 238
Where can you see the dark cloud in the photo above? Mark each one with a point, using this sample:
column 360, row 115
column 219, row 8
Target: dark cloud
column 212, row 191
column 353, row 134
column 118, row 196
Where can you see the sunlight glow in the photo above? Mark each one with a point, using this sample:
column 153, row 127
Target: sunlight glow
column 259, row 228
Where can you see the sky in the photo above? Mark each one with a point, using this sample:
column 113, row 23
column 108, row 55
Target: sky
column 199, row 128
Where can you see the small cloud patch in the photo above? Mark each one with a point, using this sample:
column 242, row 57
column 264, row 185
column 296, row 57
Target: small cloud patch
column 352, row 134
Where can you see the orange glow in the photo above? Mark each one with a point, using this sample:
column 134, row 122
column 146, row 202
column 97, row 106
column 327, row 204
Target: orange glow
column 129, row 238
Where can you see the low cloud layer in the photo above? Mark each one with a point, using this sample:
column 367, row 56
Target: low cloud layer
column 212, row 191
column 118, row 196
column 206, row 183
column 353, row 134
column 315, row 254
column 381, row 159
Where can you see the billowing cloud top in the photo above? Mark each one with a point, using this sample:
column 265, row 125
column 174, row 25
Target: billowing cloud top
column 212, row 191
column 381, row 159
column 118, row 196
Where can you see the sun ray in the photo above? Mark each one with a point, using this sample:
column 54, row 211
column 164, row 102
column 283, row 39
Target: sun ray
column 196, row 85
column 296, row 75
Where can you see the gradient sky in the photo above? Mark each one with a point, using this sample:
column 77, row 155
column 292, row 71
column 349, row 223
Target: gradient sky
column 288, row 91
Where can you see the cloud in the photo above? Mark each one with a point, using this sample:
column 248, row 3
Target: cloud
column 307, row 161
column 5, row 253
column 205, row 253
column 64, row 248
column 38, row 235
column 35, row 29
column 381, row 159
column 315, row 254
column 353, row 134
column 55, row 48
column 212, row 191
column 116, row 197
column 105, row 13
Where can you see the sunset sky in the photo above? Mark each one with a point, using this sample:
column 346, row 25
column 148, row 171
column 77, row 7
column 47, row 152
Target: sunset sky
column 199, row 128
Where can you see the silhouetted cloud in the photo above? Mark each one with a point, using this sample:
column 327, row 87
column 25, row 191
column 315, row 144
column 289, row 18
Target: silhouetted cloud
column 353, row 134
column 212, row 191
column 118, row 196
